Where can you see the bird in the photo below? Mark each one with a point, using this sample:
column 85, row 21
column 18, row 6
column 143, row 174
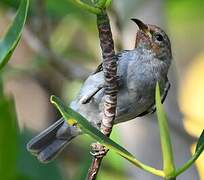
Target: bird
column 138, row 71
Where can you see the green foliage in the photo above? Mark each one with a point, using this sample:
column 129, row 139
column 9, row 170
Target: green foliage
column 87, row 128
column 12, row 37
column 16, row 162
column 168, row 163
column 56, row 9
column 10, row 3
column 8, row 127
column 198, row 151
column 95, row 7
column 27, row 166
column 181, row 9
column 86, row 6
column 169, row 171
column 200, row 144
column 30, row 167
column 8, row 138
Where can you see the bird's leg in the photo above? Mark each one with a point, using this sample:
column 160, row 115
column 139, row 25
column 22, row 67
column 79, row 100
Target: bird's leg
column 98, row 150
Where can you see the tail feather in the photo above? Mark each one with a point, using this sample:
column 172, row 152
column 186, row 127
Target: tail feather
column 52, row 140
column 44, row 138
column 51, row 151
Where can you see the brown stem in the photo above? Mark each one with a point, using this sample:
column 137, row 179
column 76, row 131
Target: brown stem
column 110, row 74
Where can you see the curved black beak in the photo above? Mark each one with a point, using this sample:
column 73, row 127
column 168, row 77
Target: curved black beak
column 141, row 25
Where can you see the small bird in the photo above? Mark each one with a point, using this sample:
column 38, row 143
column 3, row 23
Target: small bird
column 138, row 71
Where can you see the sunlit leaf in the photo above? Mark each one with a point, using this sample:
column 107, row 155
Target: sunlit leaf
column 168, row 163
column 12, row 37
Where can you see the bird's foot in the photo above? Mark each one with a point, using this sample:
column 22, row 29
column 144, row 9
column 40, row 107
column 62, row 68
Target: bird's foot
column 98, row 150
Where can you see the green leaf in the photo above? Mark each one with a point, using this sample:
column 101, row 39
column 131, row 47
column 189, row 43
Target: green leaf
column 198, row 151
column 12, row 37
column 101, row 3
column 30, row 167
column 83, row 5
column 167, row 152
column 8, row 139
column 1, row 86
column 200, row 143
column 87, row 128
column 84, row 125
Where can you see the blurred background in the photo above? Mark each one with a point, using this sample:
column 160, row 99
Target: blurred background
column 58, row 50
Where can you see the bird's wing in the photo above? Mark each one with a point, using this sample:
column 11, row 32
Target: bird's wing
column 100, row 66
column 99, row 83
column 152, row 109
column 93, row 84
column 86, row 98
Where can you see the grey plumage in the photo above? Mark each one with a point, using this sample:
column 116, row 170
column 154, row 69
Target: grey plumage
column 138, row 72
column 137, row 76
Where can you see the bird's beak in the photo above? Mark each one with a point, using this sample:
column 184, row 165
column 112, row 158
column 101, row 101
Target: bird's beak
column 142, row 26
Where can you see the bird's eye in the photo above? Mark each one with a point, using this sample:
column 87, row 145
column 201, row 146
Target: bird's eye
column 159, row 37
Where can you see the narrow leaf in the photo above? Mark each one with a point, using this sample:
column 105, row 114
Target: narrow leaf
column 83, row 5
column 12, row 37
column 87, row 128
column 191, row 161
column 8, row 138
column 200, row 141
column 84, row 125
column 168, row 163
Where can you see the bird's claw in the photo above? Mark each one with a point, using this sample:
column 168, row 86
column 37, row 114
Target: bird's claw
column 98, row 150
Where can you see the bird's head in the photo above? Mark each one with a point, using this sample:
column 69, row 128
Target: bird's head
column 153, row 38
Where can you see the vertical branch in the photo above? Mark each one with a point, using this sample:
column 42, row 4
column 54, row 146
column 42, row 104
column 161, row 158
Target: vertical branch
column 110, row 74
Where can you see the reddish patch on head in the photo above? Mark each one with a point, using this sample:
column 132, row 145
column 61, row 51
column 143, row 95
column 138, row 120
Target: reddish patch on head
column 154, row 39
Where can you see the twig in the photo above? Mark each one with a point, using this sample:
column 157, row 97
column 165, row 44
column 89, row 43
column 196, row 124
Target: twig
column 110, row 74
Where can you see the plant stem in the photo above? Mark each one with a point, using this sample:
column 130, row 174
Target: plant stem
column 110, row 74
column 87, row 128
column 141, row 165
column 167, row 152
column 190, row 161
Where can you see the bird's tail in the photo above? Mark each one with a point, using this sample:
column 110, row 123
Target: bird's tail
column 52, row 140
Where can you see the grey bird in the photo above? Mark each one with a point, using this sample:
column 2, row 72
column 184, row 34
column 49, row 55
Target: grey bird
column 138, row 71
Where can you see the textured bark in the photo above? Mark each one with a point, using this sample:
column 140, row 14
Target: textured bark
column 110, row 74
